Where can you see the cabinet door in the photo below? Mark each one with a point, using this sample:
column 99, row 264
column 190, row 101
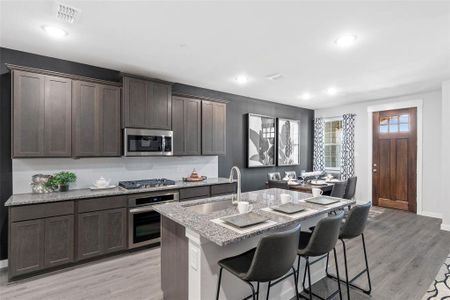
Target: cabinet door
column 114, row 223
column 159, row 105
column 213, row 128
column 26, row 247
column 134, row 103
column 58, row 111
column 28, row 114
column 110, row 121
column 59, row 241
column 178, row 126
column 86, row 119
column 90, row 235
column 192, row 126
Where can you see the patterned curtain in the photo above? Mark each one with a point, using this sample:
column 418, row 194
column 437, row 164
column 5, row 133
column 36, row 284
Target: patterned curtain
column 348, row 146
column 319, row 157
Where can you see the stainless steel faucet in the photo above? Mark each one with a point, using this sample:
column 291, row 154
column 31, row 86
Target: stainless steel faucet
column 238, row 173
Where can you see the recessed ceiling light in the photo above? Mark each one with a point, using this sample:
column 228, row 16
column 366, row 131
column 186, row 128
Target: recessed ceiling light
column 306, row 96
column 332, row 91
column 54, row 31
column 241, row 79
column 346, row 40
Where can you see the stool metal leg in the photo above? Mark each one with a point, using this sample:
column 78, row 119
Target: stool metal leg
column 309, row 280
column 295, row 284
column 268, row 291
column 257, row 291
column 218, row 283
column 253, row 290
column 349, row 282
column 337, row 273
column 346, row 269
column 367, row 265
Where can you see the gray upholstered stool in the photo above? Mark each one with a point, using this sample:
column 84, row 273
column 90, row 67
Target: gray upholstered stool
column 272, row 258
column 353, row 227
column 318, row 243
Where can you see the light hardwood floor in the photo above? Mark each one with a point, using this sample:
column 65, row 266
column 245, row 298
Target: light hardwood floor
column 405, row 253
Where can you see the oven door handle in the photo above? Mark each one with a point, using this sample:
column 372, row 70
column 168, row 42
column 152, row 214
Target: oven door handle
column 141, row 209
column 146, row 208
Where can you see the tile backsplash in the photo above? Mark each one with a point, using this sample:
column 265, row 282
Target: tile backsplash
column 114, row 168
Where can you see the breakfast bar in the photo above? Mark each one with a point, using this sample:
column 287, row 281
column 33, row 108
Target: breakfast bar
column 195, row 235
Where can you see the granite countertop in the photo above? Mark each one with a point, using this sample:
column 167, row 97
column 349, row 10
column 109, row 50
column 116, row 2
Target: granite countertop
column 25, row 199
column 202, row 223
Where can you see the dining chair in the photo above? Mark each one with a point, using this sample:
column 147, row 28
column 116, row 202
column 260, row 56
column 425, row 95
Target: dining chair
column 339, row 189
column 351, row 188
column 274, row 176
column 272, row 258
column 290, row 174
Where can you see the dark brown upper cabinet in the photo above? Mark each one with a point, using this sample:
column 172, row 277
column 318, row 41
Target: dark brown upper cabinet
column 214, row 128
column 146, row 104
column 41, row 125
column 186, row 126
column 96, row 120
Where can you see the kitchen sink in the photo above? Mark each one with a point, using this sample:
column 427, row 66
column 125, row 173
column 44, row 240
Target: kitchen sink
column 207, row 208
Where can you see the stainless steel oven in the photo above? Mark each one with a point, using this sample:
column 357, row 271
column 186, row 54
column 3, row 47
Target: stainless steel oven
column 144, row 222
column 147, row 142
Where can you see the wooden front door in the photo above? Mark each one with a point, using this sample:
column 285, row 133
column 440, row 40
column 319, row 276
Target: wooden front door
column 395, row 159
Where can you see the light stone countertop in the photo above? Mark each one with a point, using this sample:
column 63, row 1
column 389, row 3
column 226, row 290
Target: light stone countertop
column 201, row 223
column 26, row 199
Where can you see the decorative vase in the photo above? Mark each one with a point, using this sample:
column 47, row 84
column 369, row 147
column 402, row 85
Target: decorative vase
column 64, row 188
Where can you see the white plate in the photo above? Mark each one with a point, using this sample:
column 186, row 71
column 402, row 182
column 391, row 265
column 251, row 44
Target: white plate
column 96, row 188
column 318, row 182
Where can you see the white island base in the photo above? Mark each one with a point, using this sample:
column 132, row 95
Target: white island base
column 203, row 269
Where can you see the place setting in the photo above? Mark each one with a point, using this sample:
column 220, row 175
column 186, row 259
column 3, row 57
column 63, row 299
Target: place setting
column 246, row 220
column 290, row 208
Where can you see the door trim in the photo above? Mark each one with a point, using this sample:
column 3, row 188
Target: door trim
column 392, row 106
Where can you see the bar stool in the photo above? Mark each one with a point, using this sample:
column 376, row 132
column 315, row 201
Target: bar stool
column 318, row 243
column 353, row 227
column 272, row 258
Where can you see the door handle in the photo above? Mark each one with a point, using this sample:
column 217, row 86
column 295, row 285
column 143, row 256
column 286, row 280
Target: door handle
column 374, row 170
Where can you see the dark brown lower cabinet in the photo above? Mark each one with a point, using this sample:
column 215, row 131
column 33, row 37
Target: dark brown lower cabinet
column 101, row 232
column 40, row 244
column 90, row 235
column 59, row 241
column 26, row 247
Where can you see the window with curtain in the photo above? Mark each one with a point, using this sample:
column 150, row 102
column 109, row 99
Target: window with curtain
column 332, row 144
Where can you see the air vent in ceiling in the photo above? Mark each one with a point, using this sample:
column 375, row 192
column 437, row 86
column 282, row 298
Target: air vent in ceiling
column 275, row 76
column 67, row 13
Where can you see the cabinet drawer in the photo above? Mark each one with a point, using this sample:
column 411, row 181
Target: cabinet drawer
column 195, row 192
column 101, row 204
column 38, row 211
column 221, row 189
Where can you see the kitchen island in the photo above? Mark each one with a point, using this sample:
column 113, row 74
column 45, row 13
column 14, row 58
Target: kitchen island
column 194, row 239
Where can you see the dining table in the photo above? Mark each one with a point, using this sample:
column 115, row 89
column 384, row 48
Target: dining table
column 307, row 187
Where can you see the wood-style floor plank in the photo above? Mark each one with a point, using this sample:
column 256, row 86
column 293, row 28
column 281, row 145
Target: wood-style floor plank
column 405, row 253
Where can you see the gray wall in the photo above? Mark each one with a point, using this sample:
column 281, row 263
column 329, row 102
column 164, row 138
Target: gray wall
column 237, row 109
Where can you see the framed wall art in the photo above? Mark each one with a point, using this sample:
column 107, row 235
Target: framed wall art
column 261, row 142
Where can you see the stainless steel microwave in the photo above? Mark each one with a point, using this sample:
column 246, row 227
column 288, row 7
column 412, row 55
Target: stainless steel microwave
column 147, row 142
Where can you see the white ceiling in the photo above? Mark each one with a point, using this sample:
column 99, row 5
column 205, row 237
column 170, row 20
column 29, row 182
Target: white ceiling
column 402, row 47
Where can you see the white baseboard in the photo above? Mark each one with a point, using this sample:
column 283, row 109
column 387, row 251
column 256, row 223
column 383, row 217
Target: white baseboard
column 431, row 214
column 3, row 264
column 445, row 227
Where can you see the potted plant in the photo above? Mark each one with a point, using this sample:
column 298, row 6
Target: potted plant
column 62, row 180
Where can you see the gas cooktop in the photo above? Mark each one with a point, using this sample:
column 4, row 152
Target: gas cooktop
column 145, row 183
